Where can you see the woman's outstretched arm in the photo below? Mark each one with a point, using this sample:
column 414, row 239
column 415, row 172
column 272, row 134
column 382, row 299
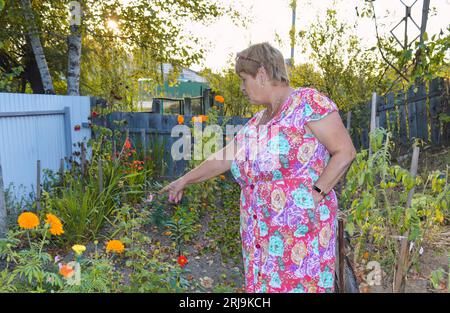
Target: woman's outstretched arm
column 216, row 164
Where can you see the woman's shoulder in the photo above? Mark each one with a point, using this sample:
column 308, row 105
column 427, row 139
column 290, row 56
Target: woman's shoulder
column 311, row 92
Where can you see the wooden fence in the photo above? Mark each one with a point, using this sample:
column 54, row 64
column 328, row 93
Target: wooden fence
column 150, row 132
column 408, row 116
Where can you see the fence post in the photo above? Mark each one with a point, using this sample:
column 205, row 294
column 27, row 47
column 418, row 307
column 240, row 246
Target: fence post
column 392, row 110
column 3, row 223
column 187, row 106
column 349, row 119
column 373, row 112
column 144, row 143
column 206, row 100
column 38, row 186
column 435, row 109
column 156, row 106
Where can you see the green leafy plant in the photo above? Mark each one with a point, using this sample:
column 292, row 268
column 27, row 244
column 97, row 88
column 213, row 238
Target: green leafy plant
column 374, row 199
column 437, row 277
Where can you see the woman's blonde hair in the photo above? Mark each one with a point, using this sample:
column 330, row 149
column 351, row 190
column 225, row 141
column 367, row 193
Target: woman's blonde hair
column 262, row 54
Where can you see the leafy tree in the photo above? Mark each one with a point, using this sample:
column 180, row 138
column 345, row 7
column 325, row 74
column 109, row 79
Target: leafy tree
column 345, row 71
column 147, row 35
column 227, row 84
column 424, row 60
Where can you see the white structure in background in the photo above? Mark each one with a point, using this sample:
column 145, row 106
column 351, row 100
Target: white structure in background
column 38, row 127
column 186, row 74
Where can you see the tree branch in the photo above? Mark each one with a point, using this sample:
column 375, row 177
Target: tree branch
column 379, row 46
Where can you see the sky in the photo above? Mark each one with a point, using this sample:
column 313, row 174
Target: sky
column 268, row 18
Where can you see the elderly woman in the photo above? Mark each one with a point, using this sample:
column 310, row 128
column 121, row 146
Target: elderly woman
column 288, row 206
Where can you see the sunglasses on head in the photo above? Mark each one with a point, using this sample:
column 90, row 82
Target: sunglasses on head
column 238, row 57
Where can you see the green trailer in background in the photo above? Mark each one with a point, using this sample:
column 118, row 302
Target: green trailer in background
column 171, row 97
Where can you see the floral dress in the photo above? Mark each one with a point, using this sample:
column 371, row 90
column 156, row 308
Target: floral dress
column 288, row 243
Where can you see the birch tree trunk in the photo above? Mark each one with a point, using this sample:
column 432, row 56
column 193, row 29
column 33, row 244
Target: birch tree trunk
column 74, row 47
column 38, row 51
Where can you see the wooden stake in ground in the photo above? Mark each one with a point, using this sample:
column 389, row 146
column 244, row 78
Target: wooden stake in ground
column 100, row 175
column 3, row 223
column 83, row 160
column 402, row 261
column 38, row 187
column 61, row 171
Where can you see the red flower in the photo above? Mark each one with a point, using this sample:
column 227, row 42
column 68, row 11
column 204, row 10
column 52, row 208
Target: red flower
column 94, row 114
column 127, row 144
column 182, row 260
column 77, row 128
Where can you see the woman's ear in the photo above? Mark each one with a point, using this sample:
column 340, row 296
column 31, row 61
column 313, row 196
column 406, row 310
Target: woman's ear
column 262, row 76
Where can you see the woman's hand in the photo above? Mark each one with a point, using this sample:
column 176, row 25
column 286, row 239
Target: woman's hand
column 175, row 189
column 317, row 198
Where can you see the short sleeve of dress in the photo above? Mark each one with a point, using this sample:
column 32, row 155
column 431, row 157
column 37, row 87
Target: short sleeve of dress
column 242, row 131
column 317, row 106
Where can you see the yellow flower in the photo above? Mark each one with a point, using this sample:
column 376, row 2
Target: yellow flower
column 55, row 225
column 167, row 233
column 115, row 246
column 28, row 220
column 79, row 249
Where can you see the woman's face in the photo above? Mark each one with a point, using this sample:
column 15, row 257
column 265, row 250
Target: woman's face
column 252, row 87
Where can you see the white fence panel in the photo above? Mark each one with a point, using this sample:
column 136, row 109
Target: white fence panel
column 38, row 127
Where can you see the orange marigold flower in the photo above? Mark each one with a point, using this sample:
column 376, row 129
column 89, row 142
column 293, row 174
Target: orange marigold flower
column 180, row 119
column 219, row 99
column 66, row 271
column 127, row 144
column 28, row 220
column 115, row 246
column 56, row 227
column 182, row 260
column 366, row 255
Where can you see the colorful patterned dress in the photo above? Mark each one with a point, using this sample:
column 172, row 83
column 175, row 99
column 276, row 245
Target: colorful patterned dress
column 288, row 244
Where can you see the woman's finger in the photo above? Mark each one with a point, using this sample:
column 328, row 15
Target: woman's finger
column 179, row 195
column 163, row 190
